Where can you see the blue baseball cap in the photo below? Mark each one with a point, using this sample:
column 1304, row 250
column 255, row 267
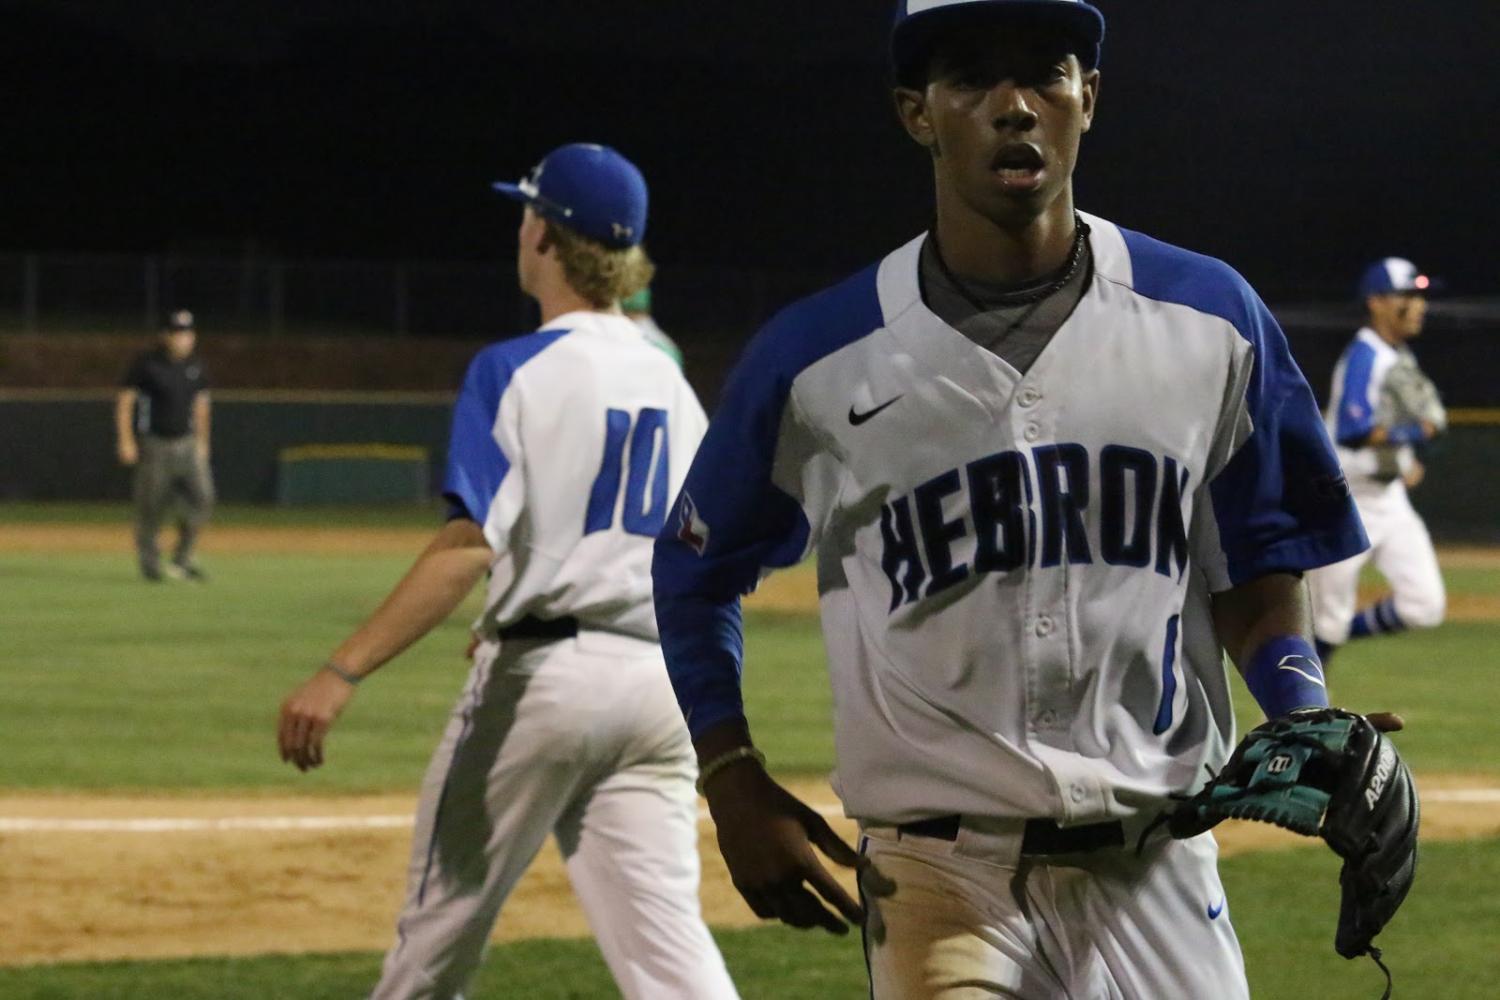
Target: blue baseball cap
column 1395, row 276
column 589, row 188
column 918, row 21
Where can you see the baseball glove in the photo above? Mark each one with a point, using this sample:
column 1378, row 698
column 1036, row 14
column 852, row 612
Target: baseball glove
column 1409, row 395
column 1330, row 773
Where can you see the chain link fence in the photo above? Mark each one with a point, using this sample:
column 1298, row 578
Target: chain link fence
column 110, row 293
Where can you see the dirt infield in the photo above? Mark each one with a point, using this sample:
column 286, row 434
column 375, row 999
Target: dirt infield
column 104, row 877
column 295, row 539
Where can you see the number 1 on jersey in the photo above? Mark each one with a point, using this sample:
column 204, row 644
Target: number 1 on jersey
column 645, row 507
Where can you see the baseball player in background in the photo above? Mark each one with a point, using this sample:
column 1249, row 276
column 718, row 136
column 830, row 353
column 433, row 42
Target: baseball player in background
column 1382, row 411
column 162, row 429
column 1052, row 471
column 638, row 309
column 568, row 445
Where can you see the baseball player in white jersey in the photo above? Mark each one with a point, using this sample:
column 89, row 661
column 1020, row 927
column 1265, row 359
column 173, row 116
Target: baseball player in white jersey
column 1052, row 471
column 1381, row 411
column 568, row 445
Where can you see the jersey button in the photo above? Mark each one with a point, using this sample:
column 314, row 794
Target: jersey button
column 1029, row 396
column 1076, row 793
column 1049, row 718
column 1031, row 432
column 1044, row 626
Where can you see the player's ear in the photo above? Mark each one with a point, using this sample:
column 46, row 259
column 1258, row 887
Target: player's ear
column 1090, row 97
column 912, row 109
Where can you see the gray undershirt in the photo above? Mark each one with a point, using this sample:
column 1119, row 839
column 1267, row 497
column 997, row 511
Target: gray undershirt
column 1014, row 331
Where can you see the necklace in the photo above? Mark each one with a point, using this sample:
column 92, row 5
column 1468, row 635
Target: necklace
column 1025, row 296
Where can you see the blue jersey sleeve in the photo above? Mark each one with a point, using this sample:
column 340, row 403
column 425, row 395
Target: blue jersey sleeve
column 732, row 521
column 476, row 464
column 1354, row 415
column 729, row 522
column 1281, row 503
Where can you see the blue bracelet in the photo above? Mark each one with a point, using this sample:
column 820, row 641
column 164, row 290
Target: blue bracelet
column 1284, row 675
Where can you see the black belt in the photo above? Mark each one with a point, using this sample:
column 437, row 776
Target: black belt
column 532, row 627
column 1042, row 836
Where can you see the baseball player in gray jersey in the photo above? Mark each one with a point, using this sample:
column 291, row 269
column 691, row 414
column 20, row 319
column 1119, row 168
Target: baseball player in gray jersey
column 568, row 444
column 1052, row 471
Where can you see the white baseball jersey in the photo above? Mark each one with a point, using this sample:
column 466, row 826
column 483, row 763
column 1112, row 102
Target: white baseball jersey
column 1354, row 406
column 567, row 446
column 1014, row 571
column 585, row 400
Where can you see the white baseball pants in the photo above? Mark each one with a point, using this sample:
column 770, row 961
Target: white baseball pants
column 972, row 920
column 581, row 738
column 1403, row 552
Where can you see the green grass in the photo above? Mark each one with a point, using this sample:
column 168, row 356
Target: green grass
column 1284, row 906
column 765, row 962
column 175, row 687
column 114, row 685
column 397, row 515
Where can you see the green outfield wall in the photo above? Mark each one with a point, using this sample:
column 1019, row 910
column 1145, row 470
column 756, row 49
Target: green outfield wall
column 59, row 445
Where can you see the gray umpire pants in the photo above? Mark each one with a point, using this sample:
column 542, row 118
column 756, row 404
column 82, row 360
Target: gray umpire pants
column 170, row 469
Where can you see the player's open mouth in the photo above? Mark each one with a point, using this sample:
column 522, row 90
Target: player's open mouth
column 1019, row 166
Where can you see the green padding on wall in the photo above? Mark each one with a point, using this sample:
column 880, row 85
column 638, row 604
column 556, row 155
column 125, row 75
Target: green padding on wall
column 329, row 474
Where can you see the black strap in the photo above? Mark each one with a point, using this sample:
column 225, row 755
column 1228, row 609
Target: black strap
column 1041, row 836
column 1375, row 956
column 532, row 627
column 939, row 828
column 1044, row 836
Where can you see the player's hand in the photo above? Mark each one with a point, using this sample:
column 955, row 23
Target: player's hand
column 767, row 836
column 203, row 453
column 1415, row 475
column 128, row 453
column 306, row 715
column 1387, row 722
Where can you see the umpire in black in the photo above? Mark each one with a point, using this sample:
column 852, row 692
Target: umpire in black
column 162, row 429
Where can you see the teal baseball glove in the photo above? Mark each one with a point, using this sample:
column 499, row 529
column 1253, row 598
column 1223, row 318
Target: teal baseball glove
column 1330, row 773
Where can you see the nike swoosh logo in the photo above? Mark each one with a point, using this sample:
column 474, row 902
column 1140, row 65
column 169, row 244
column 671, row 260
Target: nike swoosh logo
column 1283, row 665
column 855, row 419
column 1214, row 911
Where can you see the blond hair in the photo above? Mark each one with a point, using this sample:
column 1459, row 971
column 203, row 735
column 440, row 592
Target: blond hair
column 601, row 274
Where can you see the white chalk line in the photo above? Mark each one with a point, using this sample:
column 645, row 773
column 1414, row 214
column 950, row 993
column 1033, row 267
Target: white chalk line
column 398, row 821
column 23, row 824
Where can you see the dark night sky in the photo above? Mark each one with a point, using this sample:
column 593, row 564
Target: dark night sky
column 1295, row 139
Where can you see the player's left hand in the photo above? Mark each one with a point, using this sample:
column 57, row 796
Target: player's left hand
column 1415, row 475
column 306, row 715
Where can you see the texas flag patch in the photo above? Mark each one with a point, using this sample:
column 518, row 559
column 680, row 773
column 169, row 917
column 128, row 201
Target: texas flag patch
column 692, row 530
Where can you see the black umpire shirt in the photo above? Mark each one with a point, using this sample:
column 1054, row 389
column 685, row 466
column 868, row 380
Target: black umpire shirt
column 164, row 407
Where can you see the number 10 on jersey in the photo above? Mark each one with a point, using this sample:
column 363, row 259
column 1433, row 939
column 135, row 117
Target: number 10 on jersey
column 646, row 474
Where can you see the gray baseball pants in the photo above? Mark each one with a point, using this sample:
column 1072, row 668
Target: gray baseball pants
column 170, row 469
